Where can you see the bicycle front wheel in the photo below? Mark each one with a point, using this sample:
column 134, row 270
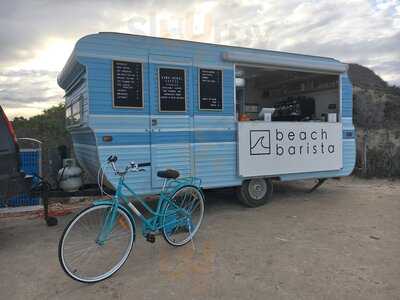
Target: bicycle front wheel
column 86, row 255
column 183, row 215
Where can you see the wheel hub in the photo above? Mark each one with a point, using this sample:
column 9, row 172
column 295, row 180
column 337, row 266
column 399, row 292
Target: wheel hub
column 257, row 188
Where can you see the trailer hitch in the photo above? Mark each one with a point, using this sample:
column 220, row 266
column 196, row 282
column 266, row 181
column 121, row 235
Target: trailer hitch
column 42, row 188
column 319, row 182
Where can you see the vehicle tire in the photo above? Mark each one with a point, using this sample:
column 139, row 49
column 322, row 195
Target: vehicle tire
column 255, row 192
column 85, row 259
column 191, row 199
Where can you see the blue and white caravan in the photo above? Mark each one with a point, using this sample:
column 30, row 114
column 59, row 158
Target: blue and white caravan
column 231, row 116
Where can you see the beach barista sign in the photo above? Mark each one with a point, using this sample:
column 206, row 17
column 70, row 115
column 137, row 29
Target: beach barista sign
column 273, row 148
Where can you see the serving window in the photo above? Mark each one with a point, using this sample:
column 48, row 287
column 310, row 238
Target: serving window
column 290, row 96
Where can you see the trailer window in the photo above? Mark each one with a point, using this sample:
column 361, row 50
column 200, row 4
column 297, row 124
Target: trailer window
column 293, row 95
column 73, row 113
column 76, row 112
column 68, row 115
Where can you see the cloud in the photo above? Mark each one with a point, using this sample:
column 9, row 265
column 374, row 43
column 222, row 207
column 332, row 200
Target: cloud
column 26, row 25
column 28, row 92
column 352, row 31
column 360, row 31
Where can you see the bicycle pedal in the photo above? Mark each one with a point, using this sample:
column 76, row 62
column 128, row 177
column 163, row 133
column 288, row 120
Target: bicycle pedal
column 151, row 238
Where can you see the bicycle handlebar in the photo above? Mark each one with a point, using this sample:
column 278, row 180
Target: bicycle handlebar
column 134, row 167
column 112, row 158
column 144, row 165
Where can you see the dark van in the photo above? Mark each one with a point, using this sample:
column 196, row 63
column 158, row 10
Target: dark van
column 12, row 180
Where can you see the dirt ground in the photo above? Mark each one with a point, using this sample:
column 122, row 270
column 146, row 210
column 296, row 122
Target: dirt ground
column 340, row 242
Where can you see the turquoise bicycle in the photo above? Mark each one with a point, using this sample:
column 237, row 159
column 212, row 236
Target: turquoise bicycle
column 97, row 242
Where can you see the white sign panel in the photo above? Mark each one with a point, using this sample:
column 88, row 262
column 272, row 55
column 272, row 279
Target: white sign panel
column 273, row 148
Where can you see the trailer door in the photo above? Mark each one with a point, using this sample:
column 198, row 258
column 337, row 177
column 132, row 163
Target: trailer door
column 171, row 97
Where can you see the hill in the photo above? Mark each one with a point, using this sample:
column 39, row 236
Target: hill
column 376, row 116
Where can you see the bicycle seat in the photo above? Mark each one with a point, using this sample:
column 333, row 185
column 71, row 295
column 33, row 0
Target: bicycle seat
column 169, row 174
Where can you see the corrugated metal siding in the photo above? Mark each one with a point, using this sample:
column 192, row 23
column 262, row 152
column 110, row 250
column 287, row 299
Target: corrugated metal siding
column 123, row 138
column 85, row 149
column 87, row 157
column 140, row 182
column 347, row 96
column 171, row 156
column 216, row 164
column 119, row 123
column 208, row 122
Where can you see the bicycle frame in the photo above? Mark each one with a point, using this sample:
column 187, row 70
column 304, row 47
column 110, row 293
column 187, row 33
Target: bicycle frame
column 150, row 224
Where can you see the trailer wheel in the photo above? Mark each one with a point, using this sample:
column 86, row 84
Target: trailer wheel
column 255, row 192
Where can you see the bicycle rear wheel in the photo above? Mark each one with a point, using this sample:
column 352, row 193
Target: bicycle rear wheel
column 86, row 256
column 182, row 219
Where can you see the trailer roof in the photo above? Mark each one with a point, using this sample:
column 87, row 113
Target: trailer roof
column 213, row 44
column 99, row 43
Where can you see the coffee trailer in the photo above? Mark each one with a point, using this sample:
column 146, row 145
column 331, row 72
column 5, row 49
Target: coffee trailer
column 200, row 108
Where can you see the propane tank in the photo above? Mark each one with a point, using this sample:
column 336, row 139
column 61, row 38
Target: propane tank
column 69, row 177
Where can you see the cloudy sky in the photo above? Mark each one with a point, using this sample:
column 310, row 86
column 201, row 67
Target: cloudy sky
column 36, row 37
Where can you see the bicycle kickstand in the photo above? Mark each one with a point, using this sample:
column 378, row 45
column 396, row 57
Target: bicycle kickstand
column 191, row 239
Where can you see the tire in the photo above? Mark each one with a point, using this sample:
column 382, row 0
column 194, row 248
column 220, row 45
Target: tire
column 255, row 192
column 187, row 197
column 84, row 239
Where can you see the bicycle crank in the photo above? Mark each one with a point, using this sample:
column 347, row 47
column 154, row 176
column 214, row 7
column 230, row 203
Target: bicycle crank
column 151, row 238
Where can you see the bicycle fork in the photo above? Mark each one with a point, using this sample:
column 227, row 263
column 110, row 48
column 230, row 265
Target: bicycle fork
column 108, row 224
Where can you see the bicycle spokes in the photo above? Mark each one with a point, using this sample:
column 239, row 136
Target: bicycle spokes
column 83, row 256
column 183, row 215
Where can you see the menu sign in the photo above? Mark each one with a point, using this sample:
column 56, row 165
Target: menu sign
column 210, row 89
column 172, row 95
column 127, row 84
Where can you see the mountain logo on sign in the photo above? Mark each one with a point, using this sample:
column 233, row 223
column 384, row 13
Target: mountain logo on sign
column 260, row 142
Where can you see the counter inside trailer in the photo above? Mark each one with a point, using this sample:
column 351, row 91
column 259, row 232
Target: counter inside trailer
column 293, row 95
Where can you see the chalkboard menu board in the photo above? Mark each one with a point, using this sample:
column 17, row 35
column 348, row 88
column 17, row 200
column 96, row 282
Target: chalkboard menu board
column 127, row 84
column 171, row 85
column 210, row 86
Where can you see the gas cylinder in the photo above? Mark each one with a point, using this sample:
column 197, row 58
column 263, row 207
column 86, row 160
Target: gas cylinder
column 69, row 177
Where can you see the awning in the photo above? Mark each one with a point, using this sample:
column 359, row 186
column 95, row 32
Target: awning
column 293, row 61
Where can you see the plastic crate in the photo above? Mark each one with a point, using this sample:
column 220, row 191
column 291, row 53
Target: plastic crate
column 30, row 164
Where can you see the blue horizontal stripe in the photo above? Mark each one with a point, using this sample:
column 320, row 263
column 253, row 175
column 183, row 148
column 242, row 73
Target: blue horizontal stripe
column 170, row 137
column 124, row 139
column 348, row 134
column 83, row 138
column 215, row 136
